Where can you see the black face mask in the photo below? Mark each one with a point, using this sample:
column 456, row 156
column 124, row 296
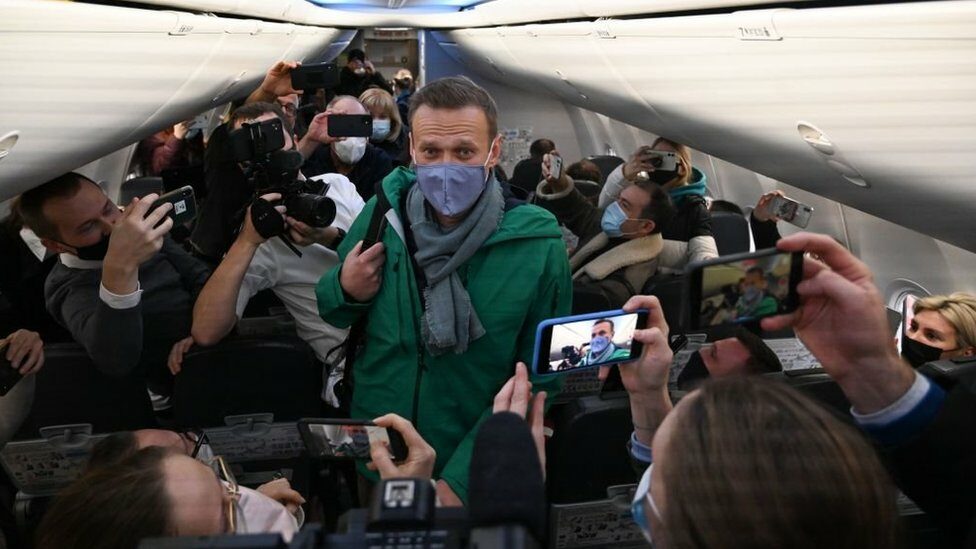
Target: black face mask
column 662, row 176
column 918, row 353
column 94, row 252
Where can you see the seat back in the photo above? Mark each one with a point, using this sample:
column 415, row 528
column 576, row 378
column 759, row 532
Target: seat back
column 820, row 387
column 70, row 390
column 731, row 232
column 139, row 187
column 606, row 162
column 670, row 291
column 245, row 376
column 588, row 449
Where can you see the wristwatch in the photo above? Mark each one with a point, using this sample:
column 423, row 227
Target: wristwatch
column 337, row 240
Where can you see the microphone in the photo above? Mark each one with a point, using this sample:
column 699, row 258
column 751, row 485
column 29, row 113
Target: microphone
column 506, row 488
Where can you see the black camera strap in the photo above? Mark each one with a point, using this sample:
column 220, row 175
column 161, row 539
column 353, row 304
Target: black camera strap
column 357, row 332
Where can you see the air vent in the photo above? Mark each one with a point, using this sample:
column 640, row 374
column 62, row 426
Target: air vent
column 7, row 142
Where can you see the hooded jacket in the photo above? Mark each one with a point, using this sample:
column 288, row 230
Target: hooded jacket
column 519, row 277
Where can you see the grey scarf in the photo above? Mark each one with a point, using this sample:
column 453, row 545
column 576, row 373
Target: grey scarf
column 450, row 322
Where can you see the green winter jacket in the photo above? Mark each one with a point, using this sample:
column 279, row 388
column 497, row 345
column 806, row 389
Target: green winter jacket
column 519, row 277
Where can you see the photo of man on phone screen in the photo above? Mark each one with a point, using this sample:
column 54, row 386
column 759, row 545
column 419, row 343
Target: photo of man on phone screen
column 602, row 348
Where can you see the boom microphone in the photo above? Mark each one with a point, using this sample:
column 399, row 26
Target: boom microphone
column 506, row 486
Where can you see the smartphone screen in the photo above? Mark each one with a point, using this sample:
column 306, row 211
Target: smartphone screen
column 336, row 438
column 791, row 211
column 567, row 344
column 743, row 288
column 555, row 166
column 350, row 125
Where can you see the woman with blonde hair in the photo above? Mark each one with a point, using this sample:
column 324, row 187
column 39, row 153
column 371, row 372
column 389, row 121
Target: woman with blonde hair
column 942, row 327
column 389, row 131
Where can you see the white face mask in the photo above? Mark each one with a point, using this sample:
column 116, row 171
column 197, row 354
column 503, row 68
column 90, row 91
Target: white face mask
column 350, row 150
column 259, row 514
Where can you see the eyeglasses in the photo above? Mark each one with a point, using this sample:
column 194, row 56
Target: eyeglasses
column 227, row 480
column 288, row 108
column 198, row 437
column 642, row 497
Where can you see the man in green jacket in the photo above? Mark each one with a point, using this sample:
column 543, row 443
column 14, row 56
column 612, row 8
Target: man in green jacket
column 456, row 286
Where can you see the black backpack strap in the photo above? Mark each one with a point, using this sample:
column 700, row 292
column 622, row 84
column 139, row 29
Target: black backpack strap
column 357, row 332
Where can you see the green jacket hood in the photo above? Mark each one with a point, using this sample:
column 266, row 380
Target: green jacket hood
column 521, row 222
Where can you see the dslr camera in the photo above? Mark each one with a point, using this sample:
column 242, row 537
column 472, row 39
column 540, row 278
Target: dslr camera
column 258, row 146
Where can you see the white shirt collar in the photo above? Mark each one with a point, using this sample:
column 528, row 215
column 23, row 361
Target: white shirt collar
column 75, row 262
column 34, row 244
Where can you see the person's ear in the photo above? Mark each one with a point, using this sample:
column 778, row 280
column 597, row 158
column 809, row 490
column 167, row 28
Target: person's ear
column 413, row 159
column 57, row 247
column 495, row 152
column 647, row 226
column 970, row 351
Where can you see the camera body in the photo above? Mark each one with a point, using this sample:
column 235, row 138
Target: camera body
column 258, row 146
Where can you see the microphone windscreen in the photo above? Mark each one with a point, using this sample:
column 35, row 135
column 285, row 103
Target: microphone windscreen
column 506, row 485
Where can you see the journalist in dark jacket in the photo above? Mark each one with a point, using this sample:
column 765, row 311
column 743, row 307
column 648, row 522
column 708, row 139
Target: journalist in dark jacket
column 122, row 288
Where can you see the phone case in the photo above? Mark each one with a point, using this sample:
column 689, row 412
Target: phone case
column 8, row 375
column 350, row 125
column 540, row 330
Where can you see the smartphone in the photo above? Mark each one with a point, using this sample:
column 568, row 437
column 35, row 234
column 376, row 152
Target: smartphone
column 184, row 205
column 555, row 166
column 350, row 125
column 9, row 376
column 584, row 341
column 907, row 315
column 374, row 236
column 315, row 76
column 347, row 438
column 791, row 211
column 661, row 160
column 742, row 288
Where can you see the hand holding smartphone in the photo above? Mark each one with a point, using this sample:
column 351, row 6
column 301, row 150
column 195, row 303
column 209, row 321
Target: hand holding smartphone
column 571, row 343
column 328, row 438
column 184, row 204
column 555, row 166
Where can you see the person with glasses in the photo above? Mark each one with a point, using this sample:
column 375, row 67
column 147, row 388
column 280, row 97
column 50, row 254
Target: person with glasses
column 747, row 462
column 160, row 492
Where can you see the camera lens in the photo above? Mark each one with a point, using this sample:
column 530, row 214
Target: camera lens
column 311, row 209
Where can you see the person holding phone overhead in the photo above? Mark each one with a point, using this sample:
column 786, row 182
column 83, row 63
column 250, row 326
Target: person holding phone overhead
column 123, row 288
column 452, row 292
column 354, row 157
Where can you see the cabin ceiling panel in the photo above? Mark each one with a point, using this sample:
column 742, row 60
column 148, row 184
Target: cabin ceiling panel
column 893, row 87
column 81, row 81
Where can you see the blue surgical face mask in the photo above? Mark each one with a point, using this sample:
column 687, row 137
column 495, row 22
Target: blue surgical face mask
column 381, row 129
column 643, row 500
column 751, row 293
column 450, row 188
column 613, row 221
column 599, row 344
